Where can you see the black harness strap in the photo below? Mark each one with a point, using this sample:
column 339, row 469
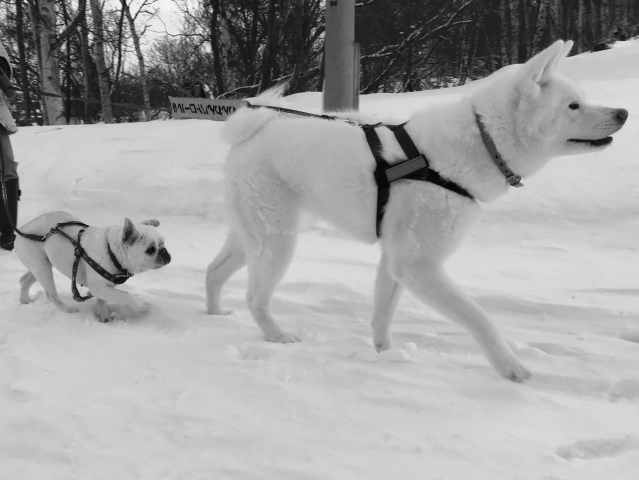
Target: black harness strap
column 383, row 184
column 118, row 278
column 415, row 168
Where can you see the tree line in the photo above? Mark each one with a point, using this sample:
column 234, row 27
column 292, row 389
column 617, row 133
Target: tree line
column 83, row 61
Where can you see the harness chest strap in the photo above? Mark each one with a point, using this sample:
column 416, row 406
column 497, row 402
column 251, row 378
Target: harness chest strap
column 415, row 168
column 80, row 253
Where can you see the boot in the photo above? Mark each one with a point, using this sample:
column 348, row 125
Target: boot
column 7, row 235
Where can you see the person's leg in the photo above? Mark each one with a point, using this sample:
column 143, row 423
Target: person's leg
column 7, row 235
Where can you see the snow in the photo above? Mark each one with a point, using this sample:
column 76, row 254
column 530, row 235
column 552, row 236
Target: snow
column 178, row 394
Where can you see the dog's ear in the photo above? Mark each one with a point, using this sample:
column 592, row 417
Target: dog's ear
column 129, row 233
column 563, row 54
column 153, row 222
column 539, row 68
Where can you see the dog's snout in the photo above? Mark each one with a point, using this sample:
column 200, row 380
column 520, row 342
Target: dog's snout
column 621, row 115
column 164, row 256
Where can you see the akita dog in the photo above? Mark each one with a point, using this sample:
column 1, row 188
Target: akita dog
column 279, row 163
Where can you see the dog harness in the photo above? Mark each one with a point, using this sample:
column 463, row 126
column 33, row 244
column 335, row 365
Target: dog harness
column 414, row 168
column 118, row 278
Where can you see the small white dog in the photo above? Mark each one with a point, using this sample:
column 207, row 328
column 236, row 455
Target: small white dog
column 281, row 163
column 136, row 248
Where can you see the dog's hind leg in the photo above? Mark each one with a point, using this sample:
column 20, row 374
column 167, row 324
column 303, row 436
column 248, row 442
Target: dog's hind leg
column 26, row 281
column 45, row 277
column 388, row 291
column 267, row 265
column 230, row 259
column 433, row 286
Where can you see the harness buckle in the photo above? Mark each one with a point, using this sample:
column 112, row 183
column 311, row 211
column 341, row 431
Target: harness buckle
column 78, row 251
column 515, row 181
column 350, row 121
column 50, row 233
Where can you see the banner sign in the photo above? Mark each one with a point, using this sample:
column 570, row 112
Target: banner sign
column 204, row 108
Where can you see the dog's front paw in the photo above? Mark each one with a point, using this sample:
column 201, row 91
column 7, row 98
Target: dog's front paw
column 143, row 307
column 69, row 309
column 514, row 370
column 282, row 337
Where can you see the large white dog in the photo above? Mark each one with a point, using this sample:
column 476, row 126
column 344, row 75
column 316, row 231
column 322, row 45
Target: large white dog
column 281, row 163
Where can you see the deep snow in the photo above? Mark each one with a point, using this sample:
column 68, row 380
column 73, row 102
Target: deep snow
column 178, row 394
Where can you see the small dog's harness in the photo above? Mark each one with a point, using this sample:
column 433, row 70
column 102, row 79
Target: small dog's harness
column 118, row 278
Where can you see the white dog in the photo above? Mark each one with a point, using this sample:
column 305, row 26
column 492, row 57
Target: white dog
column 135, row 249
column 281, row 163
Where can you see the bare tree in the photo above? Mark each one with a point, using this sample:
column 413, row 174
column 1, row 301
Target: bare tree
column 49, row 42
column 100, row 61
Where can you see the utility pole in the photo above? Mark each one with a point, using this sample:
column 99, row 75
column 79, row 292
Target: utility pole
column 341, row 65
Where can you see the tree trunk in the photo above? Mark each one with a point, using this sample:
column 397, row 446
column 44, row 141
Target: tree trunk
column 100, row 62
column 86, row 68
column 24, row 80
column 506, row 32
column 141, row 64
column 49, row 69
column 554, row 19
column 521, row 31
column 298, row 46
column 580, row 27
column 267, row 59
column 216, row 49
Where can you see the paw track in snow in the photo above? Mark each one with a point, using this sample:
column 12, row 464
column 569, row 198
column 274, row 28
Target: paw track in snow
column 597, row 448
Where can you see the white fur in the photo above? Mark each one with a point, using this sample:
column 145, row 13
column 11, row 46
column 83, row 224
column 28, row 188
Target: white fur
column 280, row 164
column 129, row 244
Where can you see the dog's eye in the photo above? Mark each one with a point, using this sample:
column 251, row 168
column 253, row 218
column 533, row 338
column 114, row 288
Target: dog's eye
column 573, row 106
column 150, row 250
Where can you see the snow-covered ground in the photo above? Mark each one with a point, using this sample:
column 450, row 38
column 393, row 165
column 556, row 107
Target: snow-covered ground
column 179, row 395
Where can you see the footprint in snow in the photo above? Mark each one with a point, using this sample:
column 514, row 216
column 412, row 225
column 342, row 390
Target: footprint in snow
column 597, row 448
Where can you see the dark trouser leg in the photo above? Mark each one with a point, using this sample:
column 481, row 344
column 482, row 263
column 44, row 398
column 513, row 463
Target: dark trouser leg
column 7, row 235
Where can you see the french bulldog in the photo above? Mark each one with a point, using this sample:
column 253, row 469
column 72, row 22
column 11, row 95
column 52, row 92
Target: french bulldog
column 137, row 248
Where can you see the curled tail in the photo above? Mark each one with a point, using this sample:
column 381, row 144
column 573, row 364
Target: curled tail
column 246, row 122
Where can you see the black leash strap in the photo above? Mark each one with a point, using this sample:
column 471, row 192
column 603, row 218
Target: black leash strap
column 415, row 168
column 302, row 114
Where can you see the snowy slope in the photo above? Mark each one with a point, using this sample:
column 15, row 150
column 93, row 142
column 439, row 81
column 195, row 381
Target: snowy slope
column 181, row 395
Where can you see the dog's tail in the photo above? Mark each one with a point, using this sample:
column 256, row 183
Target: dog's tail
column 246, row 122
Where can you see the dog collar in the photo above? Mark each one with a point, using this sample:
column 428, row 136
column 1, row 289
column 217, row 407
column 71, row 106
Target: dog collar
column 513, row 180
column 123, row 274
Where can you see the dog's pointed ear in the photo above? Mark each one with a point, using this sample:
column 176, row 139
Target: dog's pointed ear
column 129, row 233
column 563, row 54
column 538, row 68
column 153, row 222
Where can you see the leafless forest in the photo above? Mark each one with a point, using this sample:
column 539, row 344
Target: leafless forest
column 83, row 61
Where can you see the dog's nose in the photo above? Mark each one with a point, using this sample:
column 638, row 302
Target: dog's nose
column 164, row 255
column 621, row 115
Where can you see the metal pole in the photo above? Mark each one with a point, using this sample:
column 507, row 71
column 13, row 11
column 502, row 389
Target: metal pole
column 339, row 55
